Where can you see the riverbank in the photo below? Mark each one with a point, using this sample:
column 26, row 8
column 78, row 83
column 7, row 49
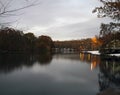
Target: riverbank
column 98, row 53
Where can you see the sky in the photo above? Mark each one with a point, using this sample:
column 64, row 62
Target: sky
column 59, row 19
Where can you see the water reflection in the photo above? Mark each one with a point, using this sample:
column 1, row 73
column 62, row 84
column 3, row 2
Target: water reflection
column 44, row 59
column 11, row 62
column 70, row 70
column 93, row 60
column 109, row 72
column 109, row 75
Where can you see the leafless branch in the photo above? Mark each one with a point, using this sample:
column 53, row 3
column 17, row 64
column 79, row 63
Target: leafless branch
column 5, row 11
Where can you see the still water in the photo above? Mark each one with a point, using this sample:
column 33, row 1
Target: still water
column 58, row 74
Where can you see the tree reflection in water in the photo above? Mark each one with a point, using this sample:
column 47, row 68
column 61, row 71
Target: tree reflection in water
column 109, row 68
column 93, row 60
column 44, row 59
column 109, row 72
column 11, row 62
column 109, row 75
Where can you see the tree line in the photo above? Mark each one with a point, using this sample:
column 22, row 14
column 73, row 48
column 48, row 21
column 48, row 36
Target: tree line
column 79, row 45
column 95, row 43
column 13, row 40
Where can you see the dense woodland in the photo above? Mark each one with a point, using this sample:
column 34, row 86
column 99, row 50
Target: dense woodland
column 12, row 40
column 79, row 45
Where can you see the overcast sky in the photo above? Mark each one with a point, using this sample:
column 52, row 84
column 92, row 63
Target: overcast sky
column 60, row 19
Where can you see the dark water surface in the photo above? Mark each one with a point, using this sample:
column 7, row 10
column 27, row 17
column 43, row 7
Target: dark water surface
column 59, row 74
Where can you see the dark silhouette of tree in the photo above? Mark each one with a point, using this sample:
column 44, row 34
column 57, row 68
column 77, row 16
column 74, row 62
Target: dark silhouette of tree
column 109, row 28
column 110, row 37
column 30, row 41
column 111, row 9
column 44, row 44
column 16, row 41
column 11, row 40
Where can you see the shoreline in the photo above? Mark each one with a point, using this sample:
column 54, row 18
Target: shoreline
column 96, row 52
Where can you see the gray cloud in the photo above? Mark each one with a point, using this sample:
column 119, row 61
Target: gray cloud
column 80, row 30
column 61, row 19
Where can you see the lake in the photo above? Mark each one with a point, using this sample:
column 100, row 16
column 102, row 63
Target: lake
column 58, row 74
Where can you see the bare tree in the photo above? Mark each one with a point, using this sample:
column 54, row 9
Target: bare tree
column 7, row 10
column 109, row 8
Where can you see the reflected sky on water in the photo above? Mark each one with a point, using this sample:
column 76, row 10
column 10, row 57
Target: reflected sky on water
column 46, row 74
